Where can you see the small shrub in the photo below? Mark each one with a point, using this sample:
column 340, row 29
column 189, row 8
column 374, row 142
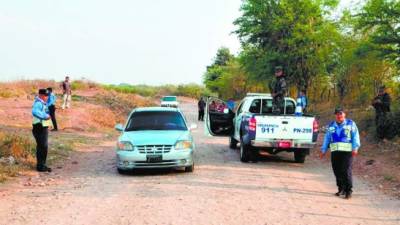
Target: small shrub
column 363, row 99
column 18, row 146
column 79, row 85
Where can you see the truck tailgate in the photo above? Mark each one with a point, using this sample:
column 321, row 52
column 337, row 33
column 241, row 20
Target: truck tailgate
column 284, row 128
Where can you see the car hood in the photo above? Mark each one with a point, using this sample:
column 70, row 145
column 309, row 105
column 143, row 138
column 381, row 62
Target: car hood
column 155, row 137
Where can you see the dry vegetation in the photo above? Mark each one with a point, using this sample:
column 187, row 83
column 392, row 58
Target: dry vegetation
column 20, row 148
column 91, row 119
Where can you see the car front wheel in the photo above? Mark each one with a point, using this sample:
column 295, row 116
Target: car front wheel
column 121, row 171
column 189, row 169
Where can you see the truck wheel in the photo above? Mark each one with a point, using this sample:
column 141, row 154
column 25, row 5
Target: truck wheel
column 299, row 156
column 232, row 143
column 245, row 151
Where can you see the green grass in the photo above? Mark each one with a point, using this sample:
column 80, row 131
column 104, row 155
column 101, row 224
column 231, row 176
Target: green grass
column 188, row 90
column 388, row 177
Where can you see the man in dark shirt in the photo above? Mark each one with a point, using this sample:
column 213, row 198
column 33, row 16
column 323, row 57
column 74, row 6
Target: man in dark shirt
column 279, row 90
column 66, row 87
column 381, row 103
column 201, row 105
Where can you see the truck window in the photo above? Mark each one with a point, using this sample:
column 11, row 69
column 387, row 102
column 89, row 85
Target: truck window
column 266, row 106
column 290, row 107
column 255, row 106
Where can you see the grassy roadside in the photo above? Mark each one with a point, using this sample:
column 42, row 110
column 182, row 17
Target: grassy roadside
column 17, row 148
column 378, row 162
column 90, row 121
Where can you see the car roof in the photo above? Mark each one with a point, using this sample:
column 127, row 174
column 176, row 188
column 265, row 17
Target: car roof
column 156, row 109
column 169, row 96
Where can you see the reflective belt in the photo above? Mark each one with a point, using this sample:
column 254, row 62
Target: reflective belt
column 36, row 120
column 340, row 146
column 47, row 123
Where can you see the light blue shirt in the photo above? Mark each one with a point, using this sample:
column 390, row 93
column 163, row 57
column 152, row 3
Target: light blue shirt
column 335, row 129
column 51, row 100
column 302, row 101
column 39, row 109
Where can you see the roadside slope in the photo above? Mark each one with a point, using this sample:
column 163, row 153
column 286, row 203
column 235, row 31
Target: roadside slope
column 222, row 190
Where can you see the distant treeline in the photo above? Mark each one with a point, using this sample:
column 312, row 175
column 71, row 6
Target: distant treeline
column 188, row 90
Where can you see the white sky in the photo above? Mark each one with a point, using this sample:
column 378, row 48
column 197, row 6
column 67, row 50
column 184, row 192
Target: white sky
column 121, row 41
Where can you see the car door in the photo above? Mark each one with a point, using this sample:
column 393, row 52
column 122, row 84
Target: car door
column 238, row 120
column 219, row 118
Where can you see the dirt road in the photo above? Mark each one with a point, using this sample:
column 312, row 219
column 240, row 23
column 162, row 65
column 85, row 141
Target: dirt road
column 222, row 190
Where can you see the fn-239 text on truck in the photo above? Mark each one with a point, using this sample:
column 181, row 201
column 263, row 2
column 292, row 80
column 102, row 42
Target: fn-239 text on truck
column 254, row 125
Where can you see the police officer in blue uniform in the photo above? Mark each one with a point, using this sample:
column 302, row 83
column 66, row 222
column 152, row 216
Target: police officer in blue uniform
column 41, row 122
column 51, row 105
column 343, row 140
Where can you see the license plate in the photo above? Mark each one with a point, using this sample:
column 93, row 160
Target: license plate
column 154, row 158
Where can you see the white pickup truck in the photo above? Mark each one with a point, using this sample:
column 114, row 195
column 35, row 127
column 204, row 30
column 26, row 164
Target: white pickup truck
column 256, row 128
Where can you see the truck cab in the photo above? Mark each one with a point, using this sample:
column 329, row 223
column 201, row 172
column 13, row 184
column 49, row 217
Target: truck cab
column 254, row 125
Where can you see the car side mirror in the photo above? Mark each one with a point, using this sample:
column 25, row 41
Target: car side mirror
column 193, row 126
column 119, row 127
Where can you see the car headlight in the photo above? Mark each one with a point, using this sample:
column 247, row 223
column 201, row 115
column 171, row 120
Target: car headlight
column 124, row 146
column 183, row 145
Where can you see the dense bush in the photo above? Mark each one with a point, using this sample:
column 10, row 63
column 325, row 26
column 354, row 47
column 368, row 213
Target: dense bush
column 20, row 147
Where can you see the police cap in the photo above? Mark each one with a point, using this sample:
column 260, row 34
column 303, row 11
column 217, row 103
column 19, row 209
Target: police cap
column 43, row 92
column 339, row 109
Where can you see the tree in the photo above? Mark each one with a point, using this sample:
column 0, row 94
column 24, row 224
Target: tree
column 380, row 19
column 214, row 72
column 291, row 33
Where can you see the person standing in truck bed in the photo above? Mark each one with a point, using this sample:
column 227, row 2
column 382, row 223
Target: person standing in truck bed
column 279, row 90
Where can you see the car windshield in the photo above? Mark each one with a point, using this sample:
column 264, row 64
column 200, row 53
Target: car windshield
column 169, row 99
column 156, row 120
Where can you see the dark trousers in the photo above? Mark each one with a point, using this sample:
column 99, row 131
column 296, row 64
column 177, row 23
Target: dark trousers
column 342, row 168
column 40, row 133
column 201, row 114
column 52, row 112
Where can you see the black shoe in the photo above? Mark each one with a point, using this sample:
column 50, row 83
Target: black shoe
column 54, row 130
column 348, row 195
column 48, row 169
column 339, row 193
column 41, row 169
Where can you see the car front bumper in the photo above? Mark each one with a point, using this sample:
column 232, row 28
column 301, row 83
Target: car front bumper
column 134, row 160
